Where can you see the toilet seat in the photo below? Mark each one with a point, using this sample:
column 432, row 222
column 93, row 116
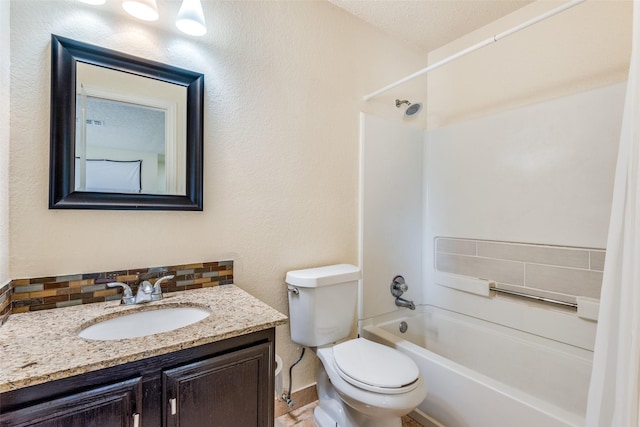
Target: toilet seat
column 375, row 367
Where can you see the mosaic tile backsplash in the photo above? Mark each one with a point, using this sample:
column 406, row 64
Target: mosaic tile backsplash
column 5, row 302
column 558, row 272
column 42, row 293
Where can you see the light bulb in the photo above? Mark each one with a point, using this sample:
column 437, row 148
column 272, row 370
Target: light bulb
column 147, row 10
column 191, row 18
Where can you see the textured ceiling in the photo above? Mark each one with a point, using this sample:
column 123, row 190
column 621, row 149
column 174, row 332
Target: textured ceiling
column 429, row 24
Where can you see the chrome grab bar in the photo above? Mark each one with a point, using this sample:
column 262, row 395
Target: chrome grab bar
column 535, row 297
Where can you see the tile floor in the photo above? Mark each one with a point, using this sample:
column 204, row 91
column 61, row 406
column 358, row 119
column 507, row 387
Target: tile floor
column 303, row 417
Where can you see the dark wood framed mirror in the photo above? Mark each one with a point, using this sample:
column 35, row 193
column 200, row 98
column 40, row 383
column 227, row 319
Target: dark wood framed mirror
column 126, row 132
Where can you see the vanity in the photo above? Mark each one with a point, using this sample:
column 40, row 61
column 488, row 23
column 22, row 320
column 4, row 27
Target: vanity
column 218, row 371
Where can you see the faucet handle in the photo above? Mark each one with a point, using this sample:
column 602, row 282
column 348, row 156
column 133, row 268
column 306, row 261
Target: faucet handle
column 127, row 294
column 156, row 295
column 398, row 286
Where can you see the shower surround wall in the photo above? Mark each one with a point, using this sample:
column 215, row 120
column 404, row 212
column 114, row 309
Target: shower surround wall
column 529, row 188
column 538, row 176
column 391, row 212
column 542, row 173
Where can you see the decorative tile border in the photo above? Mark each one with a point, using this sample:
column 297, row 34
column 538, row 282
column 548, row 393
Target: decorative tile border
column 43, row 293
column 558, row 272
column 5, row 302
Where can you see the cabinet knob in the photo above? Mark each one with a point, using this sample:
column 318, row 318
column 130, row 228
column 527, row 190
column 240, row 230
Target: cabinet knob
column 173, row 404
column 136, row 420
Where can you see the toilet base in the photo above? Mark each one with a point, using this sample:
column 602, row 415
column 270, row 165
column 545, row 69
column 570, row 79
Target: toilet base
column 332, row 411
column 329, row 415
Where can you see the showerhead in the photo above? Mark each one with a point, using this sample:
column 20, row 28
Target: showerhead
column 411, row 110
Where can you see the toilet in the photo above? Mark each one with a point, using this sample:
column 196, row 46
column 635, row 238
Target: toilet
column 360, row 383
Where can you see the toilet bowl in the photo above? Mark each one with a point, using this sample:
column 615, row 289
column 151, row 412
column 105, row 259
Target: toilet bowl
column 377, row 383
column 360, row 383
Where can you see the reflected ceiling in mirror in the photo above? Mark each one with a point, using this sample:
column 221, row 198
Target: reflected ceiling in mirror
column 126, row 133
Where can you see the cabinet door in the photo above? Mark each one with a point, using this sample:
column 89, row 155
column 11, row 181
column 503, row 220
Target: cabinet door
column 231, row 390
column 113, row 405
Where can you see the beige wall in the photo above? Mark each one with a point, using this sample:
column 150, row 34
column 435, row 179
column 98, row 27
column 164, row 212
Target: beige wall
column 4, row 142
column 283, row 87
column 585, row 47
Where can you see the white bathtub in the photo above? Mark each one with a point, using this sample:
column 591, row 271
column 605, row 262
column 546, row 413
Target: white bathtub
column 480, row 374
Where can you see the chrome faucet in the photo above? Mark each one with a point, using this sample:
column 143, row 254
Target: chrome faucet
column 401, row 302
column 146, row 291
column 398, row 287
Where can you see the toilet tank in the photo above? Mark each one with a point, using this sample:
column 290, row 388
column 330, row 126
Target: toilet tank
column 322, row 303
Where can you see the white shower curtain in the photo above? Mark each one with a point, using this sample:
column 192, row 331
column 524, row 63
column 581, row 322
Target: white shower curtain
column 614, row 392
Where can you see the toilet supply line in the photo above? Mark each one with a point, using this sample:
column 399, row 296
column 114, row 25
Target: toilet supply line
column 286, row 397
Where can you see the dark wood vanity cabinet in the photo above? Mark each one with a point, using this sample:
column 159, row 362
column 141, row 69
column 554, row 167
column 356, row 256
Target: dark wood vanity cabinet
column 109, row 405
column 225, row 388
column 224, row 384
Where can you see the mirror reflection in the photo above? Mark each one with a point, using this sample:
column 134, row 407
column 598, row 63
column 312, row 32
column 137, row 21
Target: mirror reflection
column 130, row 133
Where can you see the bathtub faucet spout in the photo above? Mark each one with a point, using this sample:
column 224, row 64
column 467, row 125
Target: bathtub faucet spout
column 401, row 302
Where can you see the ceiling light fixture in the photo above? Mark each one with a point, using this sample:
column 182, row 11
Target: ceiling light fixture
column 191, row 18
column 147, row 10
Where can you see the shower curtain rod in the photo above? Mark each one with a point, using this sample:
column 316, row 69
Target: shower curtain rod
column 477, row 46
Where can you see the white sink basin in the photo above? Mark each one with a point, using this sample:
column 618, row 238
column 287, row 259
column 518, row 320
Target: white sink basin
column 144, row 323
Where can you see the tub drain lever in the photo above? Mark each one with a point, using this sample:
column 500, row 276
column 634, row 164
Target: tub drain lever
column 398, row 287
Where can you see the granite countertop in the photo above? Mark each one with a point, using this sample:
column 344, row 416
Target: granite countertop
column 43, row 346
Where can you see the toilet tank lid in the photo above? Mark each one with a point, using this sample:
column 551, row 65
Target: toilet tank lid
column 323, row 276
